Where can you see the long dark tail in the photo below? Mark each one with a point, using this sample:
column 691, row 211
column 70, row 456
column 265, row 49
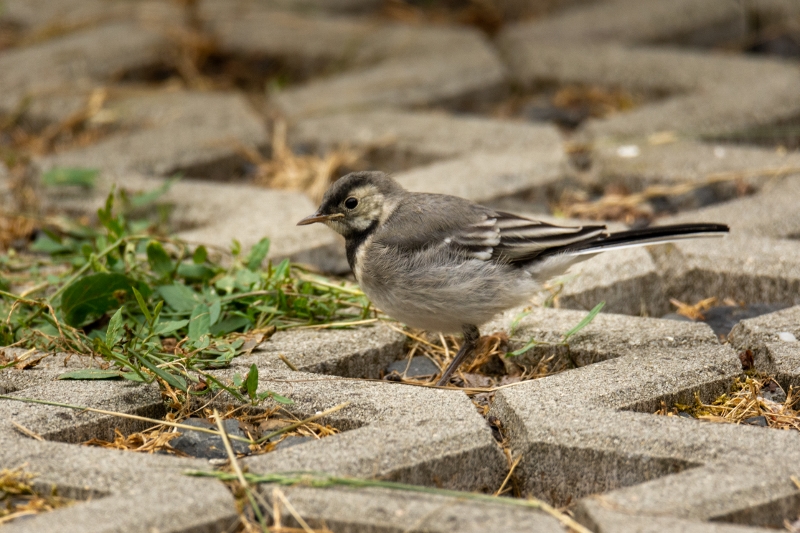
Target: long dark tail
column 639, row 237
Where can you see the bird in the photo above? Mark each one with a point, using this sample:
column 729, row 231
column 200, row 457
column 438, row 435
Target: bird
column 443, row 263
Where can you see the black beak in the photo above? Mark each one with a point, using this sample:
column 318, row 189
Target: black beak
column 317, row 217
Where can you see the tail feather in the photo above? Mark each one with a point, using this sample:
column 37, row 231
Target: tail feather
column 639, row 237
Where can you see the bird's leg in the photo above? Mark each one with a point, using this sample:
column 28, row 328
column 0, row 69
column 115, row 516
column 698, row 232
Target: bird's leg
column 471, row 336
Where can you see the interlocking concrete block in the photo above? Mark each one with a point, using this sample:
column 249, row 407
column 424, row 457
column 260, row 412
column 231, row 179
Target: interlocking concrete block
column 749, row 269
column 192, row 133
column 117, row 486
column 758, row 492
column 629, row 21
column 608, row 336
column 627, row 280
column 774, row 341
column 40, row 17
column 358, row 353
column 412, row 138
column 410, row 434
column 305, row 44
column 373, row 509
column 770, row 213
column 686, row 161
column 67, row 68
column 485, row 176
column 417, row 67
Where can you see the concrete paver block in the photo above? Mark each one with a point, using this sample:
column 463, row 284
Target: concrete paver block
column 359, row 353
column 482, row 177
column 418, row 67
column 413, row 138
column 688, row 161
column 70, row 66
column 199, row 133
column 608, row 336
column 753, row 270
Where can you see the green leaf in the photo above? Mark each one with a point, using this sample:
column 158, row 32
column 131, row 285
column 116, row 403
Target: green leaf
column 114, row 330
column 165, row 328
column 143, row 306
column 251, row 382
column 200, row 255
column 585, row 322
column 524, row 349
column 83, row 177
column 257, row 254
column 199, row 323
column 159, row 259
column 178, row 296
column 91, row 373
column 275, row 396
column 515, row 323
column 176, row 381
column 150, row 197
column 195, row 272
column 229, row 325
column 214, row 312
column 88, row 298
column 46, row 244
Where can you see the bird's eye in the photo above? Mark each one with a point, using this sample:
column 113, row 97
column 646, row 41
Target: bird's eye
column 351, row 203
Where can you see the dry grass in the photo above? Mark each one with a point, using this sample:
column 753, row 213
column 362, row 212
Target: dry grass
column 312, row 174
column 18, row 498
column 745, row 402
column 254, row 424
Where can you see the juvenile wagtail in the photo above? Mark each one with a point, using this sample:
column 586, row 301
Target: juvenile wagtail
column 443, row 263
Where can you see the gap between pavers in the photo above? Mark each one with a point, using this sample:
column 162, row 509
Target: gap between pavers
column 595, row 419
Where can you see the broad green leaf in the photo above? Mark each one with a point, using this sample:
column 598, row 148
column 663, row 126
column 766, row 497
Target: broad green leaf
column 226, row 283
column 229, row 325
column 89, row 298
column 114, row 329
column 199, row 323
column 282, row 270
column 245, row 279
column 159, row 259
column 83, row 177
column 165, row 328
column 132, row 376
column 251, row 382
column 257, row 254
column 585, row 322
column 214, row 312
column 91, row 373
column 178, row 296
column 237, row 380
column 143, row 306
column 195, row 272
column 200, row 255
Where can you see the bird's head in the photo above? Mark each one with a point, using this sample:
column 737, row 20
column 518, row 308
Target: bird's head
column 356, row 202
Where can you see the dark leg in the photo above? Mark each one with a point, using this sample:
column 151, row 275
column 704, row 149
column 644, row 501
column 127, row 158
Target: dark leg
column 471, row 336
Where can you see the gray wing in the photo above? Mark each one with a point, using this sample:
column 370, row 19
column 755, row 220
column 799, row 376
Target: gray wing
column 514, row 239
column 426, row 221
